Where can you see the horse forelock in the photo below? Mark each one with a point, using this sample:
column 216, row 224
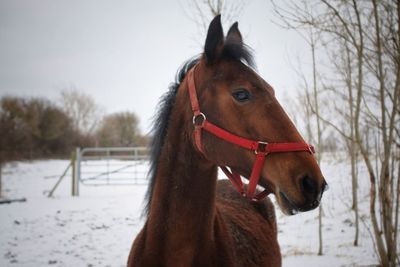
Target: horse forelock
column 239, row 52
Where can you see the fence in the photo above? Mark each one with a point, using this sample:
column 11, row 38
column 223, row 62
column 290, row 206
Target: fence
column 109, row 166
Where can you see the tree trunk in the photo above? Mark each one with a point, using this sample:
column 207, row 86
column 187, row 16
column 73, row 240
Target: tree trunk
column 1, row 181
column 396, row 215
column 353, row 159
column 317, row 117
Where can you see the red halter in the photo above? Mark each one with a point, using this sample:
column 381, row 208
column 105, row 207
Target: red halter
column 261, row 149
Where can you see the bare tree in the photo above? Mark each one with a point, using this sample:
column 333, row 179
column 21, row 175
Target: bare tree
column 312, row 101
column 202, row 11
column 82, row 109
column 315, row 104
column 370, row 33
column 344, row 106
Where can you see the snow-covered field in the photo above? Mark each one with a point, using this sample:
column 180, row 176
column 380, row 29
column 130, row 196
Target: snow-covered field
column 98, row 227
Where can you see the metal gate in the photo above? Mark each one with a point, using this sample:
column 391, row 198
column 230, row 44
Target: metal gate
column 110, row 166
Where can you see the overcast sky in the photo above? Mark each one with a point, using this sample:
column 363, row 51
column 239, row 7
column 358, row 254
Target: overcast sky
column 124, row 53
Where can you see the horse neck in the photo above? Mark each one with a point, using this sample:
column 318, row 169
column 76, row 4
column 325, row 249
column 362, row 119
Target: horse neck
column 183, row 202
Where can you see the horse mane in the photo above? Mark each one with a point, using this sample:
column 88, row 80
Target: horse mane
column 234, row 51
column 160, row 125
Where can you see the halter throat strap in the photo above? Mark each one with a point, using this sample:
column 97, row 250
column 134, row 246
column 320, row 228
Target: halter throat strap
column 261, row 149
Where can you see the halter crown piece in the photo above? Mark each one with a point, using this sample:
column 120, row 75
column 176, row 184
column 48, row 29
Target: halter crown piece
column 261, row 149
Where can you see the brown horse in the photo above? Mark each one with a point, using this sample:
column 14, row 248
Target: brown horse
column 195, row 220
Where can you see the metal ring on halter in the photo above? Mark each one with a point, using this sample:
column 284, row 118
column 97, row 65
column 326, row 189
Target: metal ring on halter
column 256, row 151
column 203, row 119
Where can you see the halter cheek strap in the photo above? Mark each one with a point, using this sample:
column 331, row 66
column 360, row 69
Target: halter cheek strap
column 261, row 149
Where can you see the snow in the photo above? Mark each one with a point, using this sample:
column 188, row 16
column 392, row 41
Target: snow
column 98, row 227
column 94, row 229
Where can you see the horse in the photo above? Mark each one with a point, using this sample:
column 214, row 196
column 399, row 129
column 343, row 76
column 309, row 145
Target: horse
column 220, row 112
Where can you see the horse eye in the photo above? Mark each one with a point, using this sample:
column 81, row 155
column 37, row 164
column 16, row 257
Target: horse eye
column 241, row 95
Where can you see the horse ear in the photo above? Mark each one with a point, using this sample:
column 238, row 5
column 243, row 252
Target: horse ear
column 234, row 35
column 214, row 40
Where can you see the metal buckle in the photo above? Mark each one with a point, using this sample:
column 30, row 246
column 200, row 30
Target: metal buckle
column 261, row 144
column 203, row 119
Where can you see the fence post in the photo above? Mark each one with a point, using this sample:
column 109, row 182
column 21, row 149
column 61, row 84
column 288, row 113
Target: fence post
column 77, row 170
column 108, row 166
column 73, row 162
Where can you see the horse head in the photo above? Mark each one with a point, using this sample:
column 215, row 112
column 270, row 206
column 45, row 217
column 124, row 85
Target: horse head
column 234, row 98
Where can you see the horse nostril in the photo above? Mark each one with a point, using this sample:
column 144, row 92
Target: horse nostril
column 314, row 204
column 308, row 184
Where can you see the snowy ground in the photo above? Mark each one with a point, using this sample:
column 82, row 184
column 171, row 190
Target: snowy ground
column 97, row 228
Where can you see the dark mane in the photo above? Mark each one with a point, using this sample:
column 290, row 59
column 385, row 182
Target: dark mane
column 233, row 51
column 160, row 125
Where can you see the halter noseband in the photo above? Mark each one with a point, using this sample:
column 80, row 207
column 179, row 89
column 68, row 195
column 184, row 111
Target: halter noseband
column 261, row 149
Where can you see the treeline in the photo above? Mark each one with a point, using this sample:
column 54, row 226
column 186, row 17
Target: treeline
column 33, row 128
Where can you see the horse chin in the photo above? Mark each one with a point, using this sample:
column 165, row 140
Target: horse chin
column 286, row 205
